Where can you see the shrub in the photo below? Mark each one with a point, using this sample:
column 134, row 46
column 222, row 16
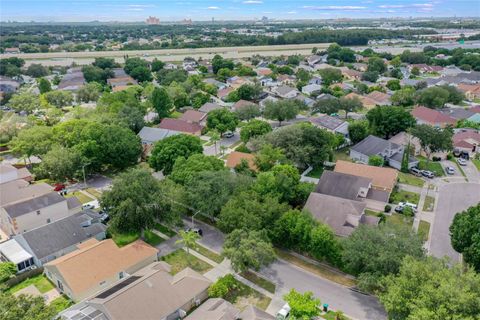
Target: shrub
column 243, row 148
column 222, row 287
column 449, row 156
column 388, row 208
column 382, row 217
column 407, row 211
column 436, row 159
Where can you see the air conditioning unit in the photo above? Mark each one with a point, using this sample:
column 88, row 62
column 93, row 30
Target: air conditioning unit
column 198, row 302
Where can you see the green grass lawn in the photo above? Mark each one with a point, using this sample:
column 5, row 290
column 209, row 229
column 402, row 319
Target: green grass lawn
column 94, row 192
column 176, row 114
column 435, row 167
column 424, row 229
column 342, row 154
column 61, row 303
column 40, row 281
column 180, row 259
column 243, row 296
column 330, row 315
column 122, row 239
column 410, row 179
column 153, row 239
column 476, row 162
column 166, row 231
column 400, row 219
column 80, row 196
column 208, row 253
column 260, row 281
column 404, row 196
column 428, row 204
column 460, row 169
column 316, row 173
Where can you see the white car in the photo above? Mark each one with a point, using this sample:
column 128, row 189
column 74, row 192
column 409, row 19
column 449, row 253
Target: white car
column 284, row 313
column 408, row 204
column 462, row 162
column 450, row 170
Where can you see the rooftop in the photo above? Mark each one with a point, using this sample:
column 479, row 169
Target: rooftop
column 180, row 125
column 328, row 122
column 341, row 185
column 384, row 178
column 432, row 116
column 20, row 208
column 373, row 145
column 13, row 251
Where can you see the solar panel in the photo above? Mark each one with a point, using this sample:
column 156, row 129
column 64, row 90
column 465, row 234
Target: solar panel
column 115, row 288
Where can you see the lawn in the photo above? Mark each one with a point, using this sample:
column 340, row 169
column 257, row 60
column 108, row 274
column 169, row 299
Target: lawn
column 243, row 296
column 461, row 170
column 400, row 219
column 476, row 162
column 429, row 202
column 316, row 173
column 342, row 154
column 404, row 196
column 424, row 230
column 61, row 303
column 259, row 281
column 94, row 192
column 153, row 239
column 176, row 115
column 40, row 281
column 319, row 270
column 180, row 259
column 122, row 239
column 330, row 315
column 166, row 231
column 208, row 253
column 410, row 179
column 435, row 167
column 80, row 196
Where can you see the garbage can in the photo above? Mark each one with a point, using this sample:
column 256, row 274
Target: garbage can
column 325, row 307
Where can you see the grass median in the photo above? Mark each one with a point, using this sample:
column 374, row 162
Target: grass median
column 259, row 281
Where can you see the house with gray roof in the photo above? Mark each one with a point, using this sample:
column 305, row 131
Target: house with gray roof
column 343, row 185
column 392, row 153
column 220, row 309
column 150, row 135
column 209, row 106
column 331, row 124
column 285, row 91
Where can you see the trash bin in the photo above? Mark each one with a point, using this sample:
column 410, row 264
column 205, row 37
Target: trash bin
column 325, row 307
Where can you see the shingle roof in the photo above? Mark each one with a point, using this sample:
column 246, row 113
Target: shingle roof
column 180, row 125
column 282, row 90
column 242, row 103
column 384, row 178
column 328, row 122
column 341, row 185
column 253, row 313
column 373, row 145
column 207, row 107
column 151, row 135
column 61, row 234
column 21, row 190
column 214, row 309
column 379, row 97
column 457, row 113
column 193, row 116
column 21, row 208
column 432, row 116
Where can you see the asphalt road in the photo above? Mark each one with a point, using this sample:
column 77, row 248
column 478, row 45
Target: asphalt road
column 452, row 198
column 226, row 142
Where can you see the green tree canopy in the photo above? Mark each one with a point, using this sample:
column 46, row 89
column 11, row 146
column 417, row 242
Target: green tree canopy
column 161, row 102
column 60, row 163
column 24, row 101
column 281, row 110
column 7, row 270
column 25, row 307
column 268, row 156
column 59, row 99
column 357, row 131
column 387, row 121
column 404, row 97
column 433, row 97
column 433, row 139
column 302, row 306
column 222, row 120
column 185, row 170
column 34, row 141
column 465, row 237
column 44, row 85
column 254, row 128
column 330, row 75
column 248, row 112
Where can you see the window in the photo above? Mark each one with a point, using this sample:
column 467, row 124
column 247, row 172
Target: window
column 60, row 285
column 121, row 275
column 48, row 220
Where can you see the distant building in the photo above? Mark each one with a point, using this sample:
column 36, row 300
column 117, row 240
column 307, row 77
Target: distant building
column 152, row 20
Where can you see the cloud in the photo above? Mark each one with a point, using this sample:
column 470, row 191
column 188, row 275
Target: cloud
column 292, row 12
column 213, row 8
column 341, row 8
column 252, row 2
column 413, row 5
column 140, row 6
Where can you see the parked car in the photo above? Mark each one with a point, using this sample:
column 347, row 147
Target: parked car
column 462, row 162
column 88, row 206
column 228, row 134
column 450, row 170
column 283, row 313
column 401, row 206
column 416, row 172
column 59, row 187
column 461, row 153
column 196, row 230
column 428, row 174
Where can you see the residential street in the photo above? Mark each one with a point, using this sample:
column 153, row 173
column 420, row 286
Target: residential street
column 227, row 142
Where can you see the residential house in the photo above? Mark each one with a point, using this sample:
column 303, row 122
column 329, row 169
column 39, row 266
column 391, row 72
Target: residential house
column 362, row 67
column 242, row 103
column 121, row 83
column 56, row 239
column 467, row 140
column 309, row 102
column 265, row 72
column 264, row 101
column 380, row 98
column 425, row 68
column 72, row 80
column 471, row 91
column 10, row 173
column 457, row 113
column 392, row 153
column 194, row 116
column 11, row 50
column 331, row 124
column 311, row 88
column 216, row 83
column 367, row 103
column 97, row 265
column 237, row 81
column 25, row 206
column 7, row 85
column 235, row 158
column 351, row 74
column 315, row 59
column 223, row 93
column 150, row 135
column 268, row 82
column 285, row 92
column 182, row 126
column 474, row 118
column 343, row 185
column 11, row 251
column 342, row 85
column 151, row 293
column 342, row 215
column 209, row 106
column 220, row 309
column 435, row 118
column 383, row 179
column 403, row 138
column 286, row 79
column 315, row 80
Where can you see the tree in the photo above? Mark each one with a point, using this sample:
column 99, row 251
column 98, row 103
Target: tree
column 379, row 251
column 268, row 156
column 376, row 64
column 222, row 120
column 248, row 91
column 405, row 159
column 431, row 289
column 433, row 97
column 34, row 141
column 96, row 74
column 404, row 97
column 328, row 106
column 89, row 92
column 387, row 121
column 25, row 307
column 396, row 62
column 248, row 112
column 131, row 117
column 141, row 74
column 165, row 152
column 394, row 85
column 455, row 96
column 433, row 139
column 281, row 110
column 219, row 63
column 188, row 239
column 254, row 128
column 371, row 76
column 350, row 105
column 59, row 99
column 161, row 102
column 157, row 65
column 248, row 249
column 465, row 237
column 61, row 163
column 44, row 85
column 36, row 70
column 302, row 306
column 375, row 160
column 223, row 286
column 415, row 71
column 357, row 131
column 185, row 170
column 330, row 75
column 7, row 270
column 104, row 63
column 25, row 101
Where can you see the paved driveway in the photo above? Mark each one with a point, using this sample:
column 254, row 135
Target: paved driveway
column 227, row 142
column 452, row 198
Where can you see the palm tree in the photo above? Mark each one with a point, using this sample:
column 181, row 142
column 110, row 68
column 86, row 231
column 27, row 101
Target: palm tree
column 215, row 137
column 188, row 239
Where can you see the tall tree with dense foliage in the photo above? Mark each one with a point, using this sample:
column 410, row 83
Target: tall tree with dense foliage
column 34, row 141
column 7, row 270
column 350, row 105
column 433, row 139
column 185, row 170
column 253, row 129
column 357, row 131
column 465, row 236
column 433, row 97
column 165, row 152
column 25, row 307
column 268, row 156
column 330, row 75
column 222, row 120
column 59, row 98
column 60, row 163
column 248, row 249
column 302, row 306
column 89, row 92
column 36, row 70
column 161, row 102
column 281, row 110
column 376, row 64
column 431, row 289
column 248, row 112
column 387, row 121
column 404, row 97
column 25, row 101
column 44, row 85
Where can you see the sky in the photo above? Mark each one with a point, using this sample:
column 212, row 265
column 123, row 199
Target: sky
column 173, row 10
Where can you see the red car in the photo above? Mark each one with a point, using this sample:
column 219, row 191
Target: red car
column 59, row 187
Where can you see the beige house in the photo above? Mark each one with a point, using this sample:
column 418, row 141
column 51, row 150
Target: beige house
column 25, row 206
column 220, row 309
column 97, row 266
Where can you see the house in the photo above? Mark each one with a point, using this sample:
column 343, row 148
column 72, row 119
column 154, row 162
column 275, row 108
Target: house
column 216, row 83
column 367, row 103
column 121, row 82
column 194, row 116
column 235, row 158
column 236, row 81
column 11, row 50
column 307, row 101
column 383, row 179
column 96, row 266
column 457, row 113
column 315, row 80
column 11, row 251
column 362, row 67
column 180, row 125
column 150, row 135
column 331, row 124
column 474, row 118
column 223, row 93
column 10, row 173
column 350, row 74
column 435, row 118
column 264, row 101
column 72, row 80
column 264, row 71
column 151, row 293
column 314, row 59
column 392, row 153
column 404, row 139
column 471, row 91
column 286, row 79
column 242, row 103
column 58, row 238
column 342, row 215
column 220, row 309
column 467, row 140
column 209, row 106
column 285, row 92
column 267, row 82
column 311, row 88
column 8, row 85
column 424, row 68
column 343, row 185
column 25, row 206
column 380, row 98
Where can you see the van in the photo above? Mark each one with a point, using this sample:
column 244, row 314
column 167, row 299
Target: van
column 416, row 172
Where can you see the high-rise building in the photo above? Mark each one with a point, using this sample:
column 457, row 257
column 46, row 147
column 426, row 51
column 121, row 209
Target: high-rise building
column 152, row 20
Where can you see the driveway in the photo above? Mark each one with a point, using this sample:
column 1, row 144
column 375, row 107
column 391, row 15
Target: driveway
column 452, row 198
column 227, row 142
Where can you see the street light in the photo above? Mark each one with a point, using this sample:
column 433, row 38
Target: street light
column 84, row 178
column 193, row 223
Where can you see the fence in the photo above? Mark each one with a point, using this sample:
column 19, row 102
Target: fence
column 22, row 276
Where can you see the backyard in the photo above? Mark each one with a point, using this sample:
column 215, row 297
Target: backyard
column 404, row 196
column 39, row 281
column 180, row 259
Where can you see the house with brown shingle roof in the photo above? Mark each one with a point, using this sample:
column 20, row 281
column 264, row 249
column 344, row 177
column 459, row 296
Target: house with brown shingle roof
column 242, row 103
column 471, row 91
column 381, row 99
column 367, row 103
column 383, row 179
column 435, row 118
column 181, row 125
column 194, row 116
column 97, row 265
column 467, row 140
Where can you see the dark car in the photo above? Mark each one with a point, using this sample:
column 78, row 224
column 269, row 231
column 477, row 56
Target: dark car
column 196, row 230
